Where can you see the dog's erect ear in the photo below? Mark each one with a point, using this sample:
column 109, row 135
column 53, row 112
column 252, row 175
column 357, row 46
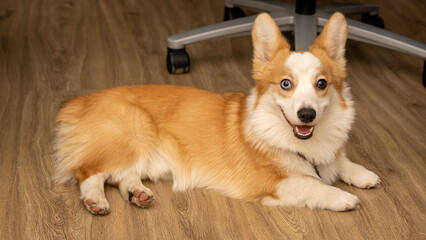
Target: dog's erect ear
column 267, row 39
column 333, row 38
column 332, row 42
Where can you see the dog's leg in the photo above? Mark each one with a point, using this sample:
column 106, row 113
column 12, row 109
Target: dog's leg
column 307, row 191
column 354, row 174
column 93, row 195
column 132, row 190
column 328, row 173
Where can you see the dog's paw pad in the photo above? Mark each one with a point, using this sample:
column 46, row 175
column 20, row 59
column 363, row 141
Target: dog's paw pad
column 141, row 199
column 97, row 208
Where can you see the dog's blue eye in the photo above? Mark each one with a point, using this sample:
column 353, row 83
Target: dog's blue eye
column 322, row 84
column 286, row 84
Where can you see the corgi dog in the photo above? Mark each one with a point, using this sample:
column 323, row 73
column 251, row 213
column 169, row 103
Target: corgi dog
column 281, row 144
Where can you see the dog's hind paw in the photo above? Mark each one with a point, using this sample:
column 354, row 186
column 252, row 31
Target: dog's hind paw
column 99, row 207
column 141, row 199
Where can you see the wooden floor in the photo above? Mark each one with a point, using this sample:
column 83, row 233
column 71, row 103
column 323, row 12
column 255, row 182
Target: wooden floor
column 51, row 50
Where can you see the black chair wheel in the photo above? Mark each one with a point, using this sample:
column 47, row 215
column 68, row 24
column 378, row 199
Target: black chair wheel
column 373, row 19
column 233, row 13
column 177, row 61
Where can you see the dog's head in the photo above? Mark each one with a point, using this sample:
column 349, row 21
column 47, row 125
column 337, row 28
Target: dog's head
column 301, row 83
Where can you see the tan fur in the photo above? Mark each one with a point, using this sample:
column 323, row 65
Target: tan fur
column 119, row 125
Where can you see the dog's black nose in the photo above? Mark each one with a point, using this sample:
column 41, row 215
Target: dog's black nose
column 306, row 115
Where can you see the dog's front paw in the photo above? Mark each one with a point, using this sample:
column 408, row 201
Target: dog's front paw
column 343, row 201
column 360, row 177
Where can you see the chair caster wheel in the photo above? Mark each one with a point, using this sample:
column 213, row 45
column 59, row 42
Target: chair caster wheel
column 177, row 61
column 373, row 19
column 233, row 13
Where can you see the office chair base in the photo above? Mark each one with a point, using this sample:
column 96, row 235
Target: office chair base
column 177, row 61
column 305, row 27
column 233, row 13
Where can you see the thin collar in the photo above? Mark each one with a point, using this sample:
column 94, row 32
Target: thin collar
column 313, row 165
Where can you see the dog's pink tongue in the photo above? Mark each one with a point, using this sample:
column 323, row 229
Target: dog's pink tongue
column 304, row 129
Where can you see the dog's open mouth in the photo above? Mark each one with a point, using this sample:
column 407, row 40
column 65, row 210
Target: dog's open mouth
column 303, row 132
column 300, row 131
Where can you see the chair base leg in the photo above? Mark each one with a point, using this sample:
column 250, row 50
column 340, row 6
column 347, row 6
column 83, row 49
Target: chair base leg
column 233, row 13
column 424, row 74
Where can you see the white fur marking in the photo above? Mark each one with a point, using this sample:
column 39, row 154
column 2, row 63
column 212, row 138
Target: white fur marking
column 304, row 69
column 153, row 166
